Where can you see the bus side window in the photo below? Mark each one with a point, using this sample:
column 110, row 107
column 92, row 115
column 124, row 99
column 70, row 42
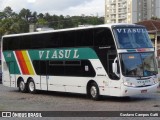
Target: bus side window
column 25, row 42
column 5, row 43
column 9, row 43
column 40, row 67
column 52, row 40
column 100, row 39
column 84, row 37
column 68, row 39
column 103, row 38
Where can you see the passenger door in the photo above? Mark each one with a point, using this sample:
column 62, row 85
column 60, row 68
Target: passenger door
column 44, row 82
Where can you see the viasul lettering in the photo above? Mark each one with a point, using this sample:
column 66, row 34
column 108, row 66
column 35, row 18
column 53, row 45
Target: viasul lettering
column 59, row 54
column 134, row 30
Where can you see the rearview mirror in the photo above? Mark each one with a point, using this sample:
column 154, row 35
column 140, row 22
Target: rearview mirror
column 115, row 68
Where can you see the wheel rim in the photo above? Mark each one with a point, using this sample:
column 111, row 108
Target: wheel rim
column 31, row 86
column 93, row 91
column 22, row 85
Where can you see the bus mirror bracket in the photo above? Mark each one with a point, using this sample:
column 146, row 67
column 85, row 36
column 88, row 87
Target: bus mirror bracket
column 115, row 67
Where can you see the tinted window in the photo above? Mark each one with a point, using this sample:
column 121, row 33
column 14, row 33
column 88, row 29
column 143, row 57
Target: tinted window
column 24, row 42
column 64, row 68
column 78, row 38
column 84, row 37
column 103, row 37
column 40, row 67
column 11, row 43
column 67, row 39
column 52, row 40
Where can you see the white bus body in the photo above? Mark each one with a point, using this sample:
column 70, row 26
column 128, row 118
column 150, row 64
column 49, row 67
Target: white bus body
column 87, row 60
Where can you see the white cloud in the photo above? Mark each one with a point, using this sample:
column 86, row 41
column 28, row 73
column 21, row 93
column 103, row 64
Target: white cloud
column 16, row 5
column 95, row 7
column 31, row 1
column 58, row 7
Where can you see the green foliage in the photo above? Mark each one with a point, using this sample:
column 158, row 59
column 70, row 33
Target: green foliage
column 11, row 22
column 8, row 12
column 42, row 21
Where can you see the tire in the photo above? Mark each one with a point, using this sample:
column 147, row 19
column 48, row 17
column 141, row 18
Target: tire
column 94, row 91
column 22, row 86
column 31, row 86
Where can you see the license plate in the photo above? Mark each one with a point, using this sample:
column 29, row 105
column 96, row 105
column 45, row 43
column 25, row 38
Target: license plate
column 143, row 91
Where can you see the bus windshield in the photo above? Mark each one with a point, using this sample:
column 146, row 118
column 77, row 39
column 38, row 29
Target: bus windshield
column 138, row 64
column 132, row 38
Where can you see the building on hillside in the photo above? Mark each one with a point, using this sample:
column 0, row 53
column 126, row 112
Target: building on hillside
column 131, row 11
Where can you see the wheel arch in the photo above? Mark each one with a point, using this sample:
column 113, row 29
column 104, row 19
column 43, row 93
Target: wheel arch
column 29, row 78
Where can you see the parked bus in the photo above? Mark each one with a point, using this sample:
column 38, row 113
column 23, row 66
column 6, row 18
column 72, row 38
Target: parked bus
column 113, row 60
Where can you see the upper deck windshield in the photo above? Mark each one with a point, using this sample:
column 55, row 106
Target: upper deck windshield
column 138, row 64
column 132, row 38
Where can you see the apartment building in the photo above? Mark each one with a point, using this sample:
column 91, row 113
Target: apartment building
column 131, row 11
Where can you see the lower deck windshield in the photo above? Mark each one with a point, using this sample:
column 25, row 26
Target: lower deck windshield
column 138, row 64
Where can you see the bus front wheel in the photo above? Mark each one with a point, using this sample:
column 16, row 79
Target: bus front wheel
column 94, row 91
column 31, row 86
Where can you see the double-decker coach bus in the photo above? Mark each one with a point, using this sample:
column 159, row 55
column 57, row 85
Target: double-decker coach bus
column 113, row 60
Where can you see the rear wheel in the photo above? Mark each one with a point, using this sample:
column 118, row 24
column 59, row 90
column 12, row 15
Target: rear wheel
column 94, row 91
column 31, row 86
column 22, row 86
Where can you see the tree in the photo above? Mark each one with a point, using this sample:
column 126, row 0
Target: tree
column 6, row 26
column 25, row 14
column 40, row 16
column 42, row 22
column 33, row 18
column 48, row 17
column 11, row 22
column 8, row 12
column 2, row 15
column 24, row 26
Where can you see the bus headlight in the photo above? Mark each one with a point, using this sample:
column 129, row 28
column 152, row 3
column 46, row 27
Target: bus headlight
column 129, row 84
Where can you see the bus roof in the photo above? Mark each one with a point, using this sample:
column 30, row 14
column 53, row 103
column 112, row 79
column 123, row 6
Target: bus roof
column 70, row 29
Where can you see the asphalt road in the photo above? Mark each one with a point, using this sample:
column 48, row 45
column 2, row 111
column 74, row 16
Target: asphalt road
column 12, row 100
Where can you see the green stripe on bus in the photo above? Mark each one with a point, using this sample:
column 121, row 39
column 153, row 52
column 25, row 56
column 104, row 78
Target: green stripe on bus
column 63, row 54
column 11, row 62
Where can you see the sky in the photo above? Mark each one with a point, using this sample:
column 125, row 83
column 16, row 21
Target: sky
column 58, row 7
